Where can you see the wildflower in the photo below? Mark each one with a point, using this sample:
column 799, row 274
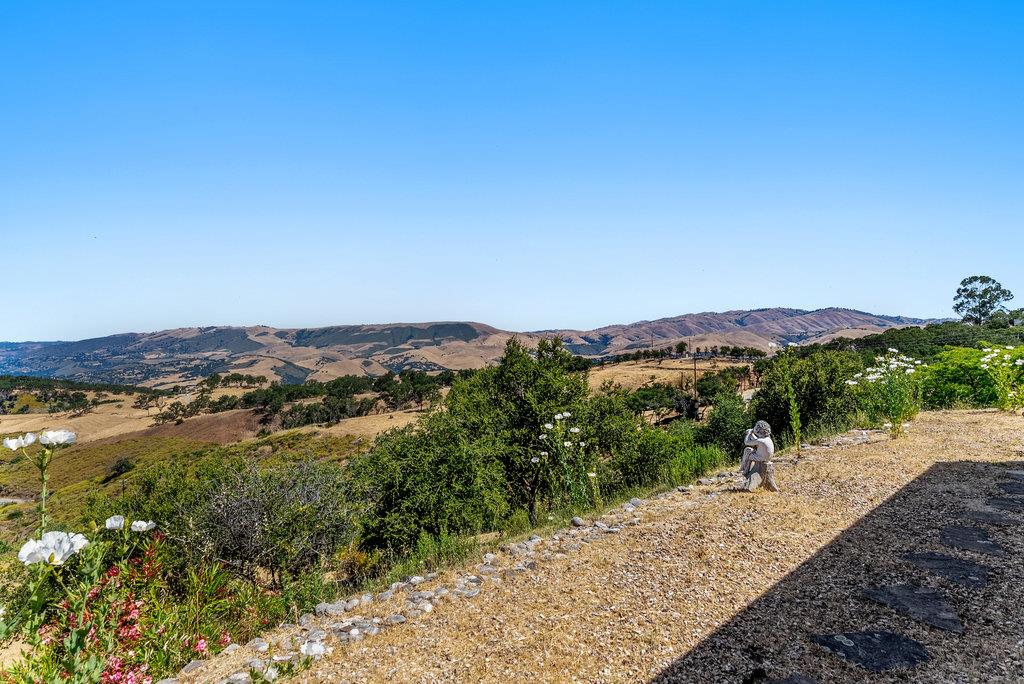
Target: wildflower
column 1009, row 347
column 224, row 640
column 568, row 444
column 1019, row 362
column 574, row 430
column 558, row 416
column 857, row 375
column 15, row 443
column 201, row 645
column 909, row 371
column 543, row 436
column 143, row 525
column 851, row 382
column 543, row 453
column 115, row 522
column 591, row 474
column 57, row 437
column 893, row 350
column 566, row 414
column 534, row 460
column 582, row 443
column 984, row 365
column 53, row 548
column 987, row 349
column 548, row 426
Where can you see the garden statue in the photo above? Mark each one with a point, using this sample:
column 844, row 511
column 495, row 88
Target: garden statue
column 757, row 464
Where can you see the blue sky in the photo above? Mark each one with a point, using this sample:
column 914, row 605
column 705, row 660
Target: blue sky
column 529, row 165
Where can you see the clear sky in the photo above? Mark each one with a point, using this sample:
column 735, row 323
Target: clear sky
column 525, row 164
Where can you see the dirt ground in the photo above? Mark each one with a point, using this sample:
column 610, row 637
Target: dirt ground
column 717, row 585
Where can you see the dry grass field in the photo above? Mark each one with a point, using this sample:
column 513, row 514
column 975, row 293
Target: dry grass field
column 633, row 374
column 102, row 422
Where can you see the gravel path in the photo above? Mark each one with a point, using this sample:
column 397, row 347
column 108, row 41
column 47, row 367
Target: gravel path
column 713, row 585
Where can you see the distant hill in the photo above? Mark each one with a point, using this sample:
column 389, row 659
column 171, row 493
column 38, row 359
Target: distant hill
column 298, row 354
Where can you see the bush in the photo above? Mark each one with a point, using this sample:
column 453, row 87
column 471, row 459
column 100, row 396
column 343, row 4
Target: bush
column 428, row 479
column 956, row 378
column 824, row 402
column 726, row 425
column 891, row 390
column 277, row 521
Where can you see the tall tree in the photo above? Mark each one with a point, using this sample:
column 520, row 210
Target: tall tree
column 978, row 297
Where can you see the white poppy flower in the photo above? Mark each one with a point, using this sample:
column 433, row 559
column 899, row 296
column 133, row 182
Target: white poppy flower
column 54, row 548
column 143, row 525
column 58, row 437
column 115, row 522
column 15, row 443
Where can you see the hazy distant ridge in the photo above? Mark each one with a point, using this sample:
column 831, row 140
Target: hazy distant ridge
column 297, row 354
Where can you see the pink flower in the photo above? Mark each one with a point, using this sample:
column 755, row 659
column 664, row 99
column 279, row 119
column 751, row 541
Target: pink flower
column 201, row 645
column 224, row 640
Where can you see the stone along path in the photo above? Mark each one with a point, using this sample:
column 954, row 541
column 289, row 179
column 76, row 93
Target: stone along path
column 879, row 561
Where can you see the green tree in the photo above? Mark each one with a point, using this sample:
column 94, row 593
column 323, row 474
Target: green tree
column 978, row 297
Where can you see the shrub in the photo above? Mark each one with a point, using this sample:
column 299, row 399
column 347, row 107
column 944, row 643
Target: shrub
column 956, row 378
column 428, row 479
column 277, row 520
column 1006, row 368
column 890, row 390
column 726, row 425
column 816, row 383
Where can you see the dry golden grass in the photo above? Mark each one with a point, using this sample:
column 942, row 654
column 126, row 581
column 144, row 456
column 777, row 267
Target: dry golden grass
column 102, row 422
column 367, row 426
column 633, row 374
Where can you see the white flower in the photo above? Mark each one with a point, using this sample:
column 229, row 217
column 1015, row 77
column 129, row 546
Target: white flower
column 558, row 416
column 1019, row 362
column 987, row 349
column 115, row 522
column 851, row 382
column 543, row 436
column 909, row 371
column 534, row 460
column 984, row 365
column 566, row 414
column 543, row 453
column 574, row 430
column 568, row 444
column 1009, row 347
column 143, row 525
column 858, row 375
column 54, row 548
column 893, row 350
column 548, row 426
column 591, row 474
column 582, row 443
column 58, row 437
column 15, row 443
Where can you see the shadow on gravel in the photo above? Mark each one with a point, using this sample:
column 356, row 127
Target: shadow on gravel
column 905, row 594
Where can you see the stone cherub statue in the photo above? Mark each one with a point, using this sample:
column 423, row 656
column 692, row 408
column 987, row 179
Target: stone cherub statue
column 757, row 465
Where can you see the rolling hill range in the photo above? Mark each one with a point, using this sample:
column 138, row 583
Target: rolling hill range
column 298, row 354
